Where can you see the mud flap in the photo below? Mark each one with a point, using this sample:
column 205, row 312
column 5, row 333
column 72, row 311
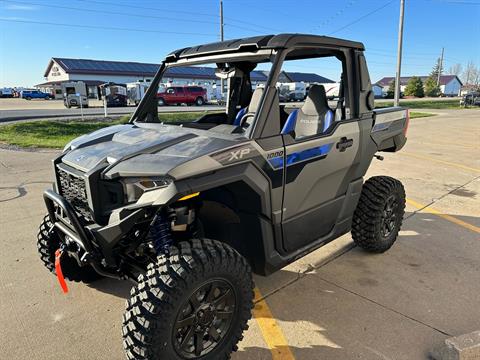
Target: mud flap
column 58, row 271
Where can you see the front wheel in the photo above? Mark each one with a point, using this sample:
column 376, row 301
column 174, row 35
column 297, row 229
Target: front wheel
column 161, row 102
column 199, row 101
column 379, row 214
column 193, row 303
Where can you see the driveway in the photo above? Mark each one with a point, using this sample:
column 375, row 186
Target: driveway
column 336, row 303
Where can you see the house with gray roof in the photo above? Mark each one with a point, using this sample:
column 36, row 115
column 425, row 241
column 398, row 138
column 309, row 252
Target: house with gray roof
column 450, row 85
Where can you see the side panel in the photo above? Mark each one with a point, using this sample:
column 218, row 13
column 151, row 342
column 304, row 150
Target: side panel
column 318, row 173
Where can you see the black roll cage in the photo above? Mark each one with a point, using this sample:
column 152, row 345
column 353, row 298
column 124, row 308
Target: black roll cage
column 276, row 49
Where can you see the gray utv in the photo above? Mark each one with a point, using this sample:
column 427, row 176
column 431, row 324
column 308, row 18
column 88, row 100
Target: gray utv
column 189, row 210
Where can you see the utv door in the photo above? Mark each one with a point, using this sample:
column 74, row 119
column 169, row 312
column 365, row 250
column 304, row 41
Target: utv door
column 318, row 171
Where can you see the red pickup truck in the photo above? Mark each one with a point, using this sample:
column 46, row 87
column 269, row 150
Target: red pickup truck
column 183, row 95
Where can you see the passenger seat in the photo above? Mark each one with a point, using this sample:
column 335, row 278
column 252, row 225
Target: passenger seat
column 314, row 117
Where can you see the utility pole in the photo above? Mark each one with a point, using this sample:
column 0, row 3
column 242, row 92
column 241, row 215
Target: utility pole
column 440, row 68
column 221, row 39
column 221, row 20
column 399, row 55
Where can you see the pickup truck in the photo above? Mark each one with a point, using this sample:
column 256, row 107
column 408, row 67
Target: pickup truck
column 189, row 210
column 183, row 95
column 35, row 94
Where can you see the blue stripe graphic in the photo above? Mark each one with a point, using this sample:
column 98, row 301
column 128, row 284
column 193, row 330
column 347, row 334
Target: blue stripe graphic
column 296, row 157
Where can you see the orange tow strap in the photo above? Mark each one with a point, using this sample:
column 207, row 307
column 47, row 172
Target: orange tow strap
column 58, row 271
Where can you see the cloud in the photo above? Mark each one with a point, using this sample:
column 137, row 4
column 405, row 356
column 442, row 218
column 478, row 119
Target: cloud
column 20, row 7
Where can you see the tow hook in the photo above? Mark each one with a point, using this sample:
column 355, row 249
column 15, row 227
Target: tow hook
column 58, row 271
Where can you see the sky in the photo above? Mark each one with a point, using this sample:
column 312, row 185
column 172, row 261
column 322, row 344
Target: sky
column 32, row 32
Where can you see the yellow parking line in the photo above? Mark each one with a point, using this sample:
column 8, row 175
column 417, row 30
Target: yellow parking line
column 460, row 166
column 450, row 218
column 271, row 332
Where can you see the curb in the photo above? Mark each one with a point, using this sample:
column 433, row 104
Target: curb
column 463, row 347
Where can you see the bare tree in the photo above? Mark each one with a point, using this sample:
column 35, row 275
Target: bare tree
column 455, row 69
column 471, row 74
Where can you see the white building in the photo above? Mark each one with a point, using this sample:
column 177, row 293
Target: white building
column 450, row 85
column 96, row 72
column 93, row 73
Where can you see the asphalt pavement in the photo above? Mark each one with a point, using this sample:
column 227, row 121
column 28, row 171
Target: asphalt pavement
column 338, row 302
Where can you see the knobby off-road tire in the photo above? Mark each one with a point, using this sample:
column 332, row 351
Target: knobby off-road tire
column 379, row 214
column 47, row 244
column 167, row 314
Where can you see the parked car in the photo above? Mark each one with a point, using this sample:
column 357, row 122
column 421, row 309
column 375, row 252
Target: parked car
column 296, row 96
column 183, row 95
column 6, row 93
column 35, row 94
column 470, row 99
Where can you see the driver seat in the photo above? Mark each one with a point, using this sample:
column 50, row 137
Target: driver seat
column 249, row 112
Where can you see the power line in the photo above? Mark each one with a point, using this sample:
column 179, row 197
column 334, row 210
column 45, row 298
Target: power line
column 362, row 17
column 337, row 14
column 182, row 12
column 110, row 12
column 105, row 27
column 148, row 8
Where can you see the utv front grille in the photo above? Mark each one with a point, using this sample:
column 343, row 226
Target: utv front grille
column 73, row 189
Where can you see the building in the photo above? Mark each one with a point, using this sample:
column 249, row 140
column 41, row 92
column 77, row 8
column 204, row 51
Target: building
column 96, row 72
column 450, row 85
column 378, row 90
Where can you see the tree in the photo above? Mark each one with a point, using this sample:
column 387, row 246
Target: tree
column 414, row 87
column 455, row 69
column 391, row 90
column 431, row 87
column 437, row 69
column 471, row 75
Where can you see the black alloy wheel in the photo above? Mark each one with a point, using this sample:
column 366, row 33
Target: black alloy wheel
column 389, row 216
column 205, row 319
column 379, row 214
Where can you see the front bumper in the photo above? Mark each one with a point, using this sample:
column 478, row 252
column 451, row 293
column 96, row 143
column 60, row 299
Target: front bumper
column 95, row 243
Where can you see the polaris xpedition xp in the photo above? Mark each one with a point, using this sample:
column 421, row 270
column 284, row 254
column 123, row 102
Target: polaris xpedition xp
column 188, row 210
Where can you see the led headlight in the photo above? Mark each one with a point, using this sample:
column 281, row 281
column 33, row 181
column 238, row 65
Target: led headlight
column 135, row 187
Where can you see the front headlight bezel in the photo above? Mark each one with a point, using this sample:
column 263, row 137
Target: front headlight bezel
column 134, row 188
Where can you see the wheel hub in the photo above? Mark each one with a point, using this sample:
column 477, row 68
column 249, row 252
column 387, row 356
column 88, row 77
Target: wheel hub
column 205, row 316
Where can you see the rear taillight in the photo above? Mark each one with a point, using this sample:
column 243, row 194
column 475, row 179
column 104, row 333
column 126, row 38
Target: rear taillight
column 407, row 122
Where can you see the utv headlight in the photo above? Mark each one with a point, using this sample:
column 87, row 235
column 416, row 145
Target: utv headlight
column 135, row 187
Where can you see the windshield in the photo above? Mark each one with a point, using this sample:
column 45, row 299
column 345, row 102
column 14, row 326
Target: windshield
column 210, row 96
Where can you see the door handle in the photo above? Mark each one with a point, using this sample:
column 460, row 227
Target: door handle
column 344, row 143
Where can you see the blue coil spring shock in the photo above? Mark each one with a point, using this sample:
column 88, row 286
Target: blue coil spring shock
column 161, row 234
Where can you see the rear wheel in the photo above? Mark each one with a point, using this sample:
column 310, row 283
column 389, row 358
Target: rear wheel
column 28, row 98
column 194, row 303
column 48, row 242
column 161, row 101
column 379, row 214
column 199, row 101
